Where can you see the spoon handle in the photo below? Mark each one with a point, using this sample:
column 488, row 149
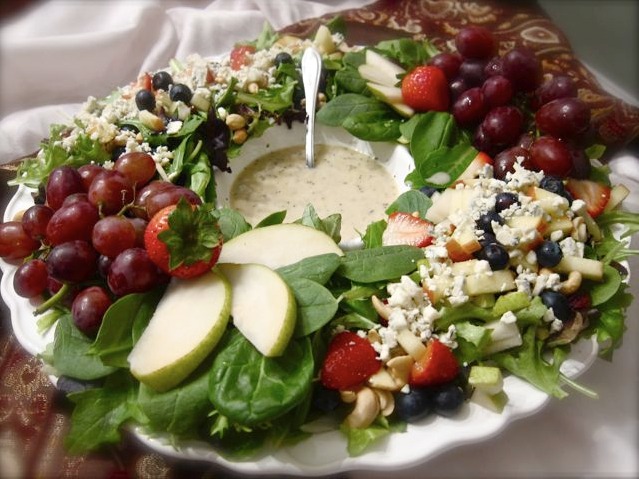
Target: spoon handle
column 311, row 69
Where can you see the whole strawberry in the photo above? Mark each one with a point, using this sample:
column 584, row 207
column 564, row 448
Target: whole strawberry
column 350, row 360
column 426, row 88
column 183, row 240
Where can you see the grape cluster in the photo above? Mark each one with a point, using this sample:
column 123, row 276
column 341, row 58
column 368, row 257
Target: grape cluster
column 512, row 109
column 85, row 243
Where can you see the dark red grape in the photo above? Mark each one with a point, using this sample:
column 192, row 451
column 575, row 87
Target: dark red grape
column 494, row 67
column 504, row 161
column 88, row 309
column 31, row 279
column 526, row 141
column 72, row 222
column 15, row 243
column 448, row 63
column 564, row 117
column 132, row 271
column 483, row 143
column 104, row 263
column 75, row 198
column 171, row 196
column 475, row 42
column 35, row 220
column 469, row 108
column 88, row 173
column 551, row 155
column 581, row 165
column 110, row 191
column 113, row 234
column 497, row 90
column 137, row 166
column 72, row 262
column 139, row 226
column 144, row 193
column 472, row 71
column 560, row 86
column 456, row 87
column 522, row 67
column 503, row 124
column 63, row 181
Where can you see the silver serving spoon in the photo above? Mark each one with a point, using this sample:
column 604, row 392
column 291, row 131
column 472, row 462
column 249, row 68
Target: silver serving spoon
column 311, row 69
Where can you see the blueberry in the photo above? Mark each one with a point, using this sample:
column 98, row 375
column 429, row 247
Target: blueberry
column 549, row 254
column 496, row 255
column 488, row 238
column 117, row 151
column 162, row 81
column 485, row 221
column 180, row 92
column 555, row 185
column 428, row 190
column 145, row 100
column 448, row 399
column 282, row 57
column 505, row 200
column 558, row 302
column 324, row 399
column 415, row 405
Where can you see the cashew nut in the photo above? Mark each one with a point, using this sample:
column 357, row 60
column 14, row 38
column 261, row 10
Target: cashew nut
column 382, row 309
column 399, row 368
column 348, row 396
column 386, row 401
column 571, row 284
column 365, row 411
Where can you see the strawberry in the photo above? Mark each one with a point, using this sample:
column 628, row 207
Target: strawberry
column 239, row 56
column 438, row 365
column 595, row 195
column 580, row 301
column 350, row 360
column 475, row 166
column 404, row 228
column 183, row 240
column 426, row 88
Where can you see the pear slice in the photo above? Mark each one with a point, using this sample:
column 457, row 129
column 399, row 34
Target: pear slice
column 385, row 93
column 379, row 69
column 278, row 245
column 263, row 306
column 187, row 324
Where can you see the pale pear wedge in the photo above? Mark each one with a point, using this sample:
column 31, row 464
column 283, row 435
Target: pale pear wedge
column 187, row 324
column 380, row 70
column 277, row 245
column 263, row 307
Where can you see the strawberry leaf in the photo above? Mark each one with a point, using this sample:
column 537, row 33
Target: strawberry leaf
column 192, row 235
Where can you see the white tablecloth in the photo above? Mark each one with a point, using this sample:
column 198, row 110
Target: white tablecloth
column 60, row 52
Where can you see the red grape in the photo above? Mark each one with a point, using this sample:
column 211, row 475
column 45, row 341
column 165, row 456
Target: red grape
column 35, row 220
column 143, row 195
column 581, row 166
column 522, row 67
column 560, row 86
column 170, row 196
column 475, row 42
column 503, row 124
column 110, row 191
column 15, row 243
column 72, row 262
column 551, row 155
column 494, row 67
column 112, row 235
column 456, row 87
column 448, row 63
column 469, row 108
column 564, row 117
column 63, row 181
column 132, row 271
column 472, row 71
column 137, row 166
column 497, row 90
column 505, row 161
column 72, row 222
column 31, row 279
column 88, row 174
column 88, row 309
column 139, row 226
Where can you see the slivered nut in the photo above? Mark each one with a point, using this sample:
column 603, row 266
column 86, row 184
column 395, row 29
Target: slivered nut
column 382, row 379
column 571, row 284
column 382, row 308
column 373, row 336
column 399, row 368
column 365, row 411
column 580, row 208
column 386, row 401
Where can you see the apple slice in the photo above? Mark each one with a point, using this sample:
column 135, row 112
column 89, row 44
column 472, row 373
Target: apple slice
column 385, row 93
column 617, row 195
column 494, row 282
column 379, row 69
column 263, row 306
column 187, row 324
column 278, row 245
column 589, row 268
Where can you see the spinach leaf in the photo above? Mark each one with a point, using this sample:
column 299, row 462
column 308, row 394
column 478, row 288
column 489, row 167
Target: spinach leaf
column 410, row 53
column 71, row 353
column 601, row 292
column 373, row 236
column 610, row 325
column 180, row 410
column 349, row 80
column 409, row 202
column 99, row 414
column 433, row 130
column 316, row 305
column 231, row 223
column 336, row 111
column 250, row 388
column 331, row 225
column 354, row 321
column 440, row 168
column 115, row 337
column 272, row 219
column 199, row 175
column 379, row 264
column 370, row 126
column 318, row 268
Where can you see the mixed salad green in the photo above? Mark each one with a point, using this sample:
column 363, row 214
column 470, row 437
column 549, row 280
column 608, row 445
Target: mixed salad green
column 267, row 401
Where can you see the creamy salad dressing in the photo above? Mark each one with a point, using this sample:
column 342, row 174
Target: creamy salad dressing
column 343, row 181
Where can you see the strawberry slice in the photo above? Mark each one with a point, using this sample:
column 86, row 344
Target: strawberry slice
column 472, row 170
column 595, row 195
column 183, row 240
column 438, row 365
column 350, row 361
column 426, row 88
column 407, row 229
column 240, row 56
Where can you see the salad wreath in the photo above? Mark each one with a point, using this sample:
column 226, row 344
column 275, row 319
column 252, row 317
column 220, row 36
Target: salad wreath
column 177, row 315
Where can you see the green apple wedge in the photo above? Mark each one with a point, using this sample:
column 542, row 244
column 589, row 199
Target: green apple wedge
column 263, row 307
column 277, row 245
column 187, row 324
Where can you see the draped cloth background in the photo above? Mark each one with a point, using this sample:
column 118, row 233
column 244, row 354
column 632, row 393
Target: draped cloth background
column 56, row 54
